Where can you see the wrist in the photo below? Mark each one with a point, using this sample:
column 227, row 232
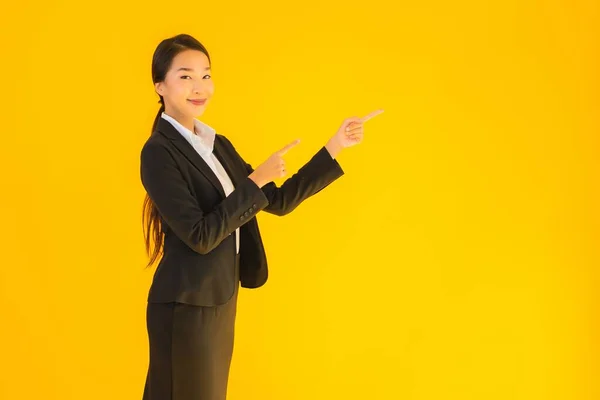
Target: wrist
column 333, row 147
column 256, row 180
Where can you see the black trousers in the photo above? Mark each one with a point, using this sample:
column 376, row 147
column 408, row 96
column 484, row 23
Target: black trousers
column 190, row 349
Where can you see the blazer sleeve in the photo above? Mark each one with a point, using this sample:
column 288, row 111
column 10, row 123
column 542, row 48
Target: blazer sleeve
column 318, row 173
column 201, row 231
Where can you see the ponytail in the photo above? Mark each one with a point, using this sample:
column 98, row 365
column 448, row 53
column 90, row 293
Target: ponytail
column 153, row 234
column 158, row 115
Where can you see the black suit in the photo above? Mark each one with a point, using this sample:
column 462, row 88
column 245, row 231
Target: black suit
column 199, row 221
column 192, row 301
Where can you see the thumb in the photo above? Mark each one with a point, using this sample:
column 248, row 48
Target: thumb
column 348, row 121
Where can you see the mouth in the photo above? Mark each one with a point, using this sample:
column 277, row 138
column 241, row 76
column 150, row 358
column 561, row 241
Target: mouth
column 197, row 102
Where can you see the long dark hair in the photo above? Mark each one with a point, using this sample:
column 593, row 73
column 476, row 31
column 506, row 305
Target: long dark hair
column 161, row 63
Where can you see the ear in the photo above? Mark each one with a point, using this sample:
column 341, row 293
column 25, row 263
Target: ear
column 158, row 87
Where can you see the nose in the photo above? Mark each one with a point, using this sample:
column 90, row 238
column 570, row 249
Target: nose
column 197, row 87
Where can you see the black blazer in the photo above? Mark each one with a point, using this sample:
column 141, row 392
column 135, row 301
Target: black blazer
column 199, row 221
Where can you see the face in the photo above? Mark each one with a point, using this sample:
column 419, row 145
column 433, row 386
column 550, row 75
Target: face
column 187, row 87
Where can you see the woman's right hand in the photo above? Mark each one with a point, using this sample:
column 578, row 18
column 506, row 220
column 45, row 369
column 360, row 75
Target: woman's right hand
column 273, row 167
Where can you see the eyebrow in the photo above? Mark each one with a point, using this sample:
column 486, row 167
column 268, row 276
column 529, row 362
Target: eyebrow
column 190, row 69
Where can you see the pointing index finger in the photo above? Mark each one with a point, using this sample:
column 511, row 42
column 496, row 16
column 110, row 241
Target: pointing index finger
column 371, row 115
column 288, row 147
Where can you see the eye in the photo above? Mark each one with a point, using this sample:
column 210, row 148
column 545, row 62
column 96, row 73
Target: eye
column 185, row 76
column 206, row 76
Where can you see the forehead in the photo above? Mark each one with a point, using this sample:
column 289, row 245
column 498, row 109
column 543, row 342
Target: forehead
column 193, row 59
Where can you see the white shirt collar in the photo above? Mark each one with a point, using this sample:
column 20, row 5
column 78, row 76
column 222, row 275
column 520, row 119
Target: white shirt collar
column 204, row 138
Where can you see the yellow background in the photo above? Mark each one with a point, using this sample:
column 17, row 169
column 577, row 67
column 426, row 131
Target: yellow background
column 456, row 259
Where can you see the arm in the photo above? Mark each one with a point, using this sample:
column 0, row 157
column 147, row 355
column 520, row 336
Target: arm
column 201, row 231
column 320, row 171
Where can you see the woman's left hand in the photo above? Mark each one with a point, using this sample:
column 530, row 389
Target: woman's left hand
column 350, row 133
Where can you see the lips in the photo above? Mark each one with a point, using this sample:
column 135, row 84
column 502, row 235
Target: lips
column 197, row 102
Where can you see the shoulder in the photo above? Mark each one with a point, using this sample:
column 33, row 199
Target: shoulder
column 224, row 142
column 223, row 139
column 155, row 147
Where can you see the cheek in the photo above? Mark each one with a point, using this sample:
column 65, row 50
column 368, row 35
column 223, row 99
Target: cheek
column 176, row 90
column 210, row 88
column 182, row 90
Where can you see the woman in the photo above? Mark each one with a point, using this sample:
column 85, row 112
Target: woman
column 199, row 212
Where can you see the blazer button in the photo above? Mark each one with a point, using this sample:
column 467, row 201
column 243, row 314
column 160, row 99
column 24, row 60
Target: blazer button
column 254, row 206
column 250, row 210
column 241, row 217
column 246, row 214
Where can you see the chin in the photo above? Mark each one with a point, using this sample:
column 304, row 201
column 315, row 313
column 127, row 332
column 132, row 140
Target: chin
column 198, row 110
column 198, row 113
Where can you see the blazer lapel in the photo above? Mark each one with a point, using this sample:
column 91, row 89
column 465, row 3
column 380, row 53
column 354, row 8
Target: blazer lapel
column 226, row 162
column 190, row 153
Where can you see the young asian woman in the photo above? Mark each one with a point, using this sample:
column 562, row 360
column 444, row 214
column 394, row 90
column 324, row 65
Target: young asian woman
column 199, row 214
